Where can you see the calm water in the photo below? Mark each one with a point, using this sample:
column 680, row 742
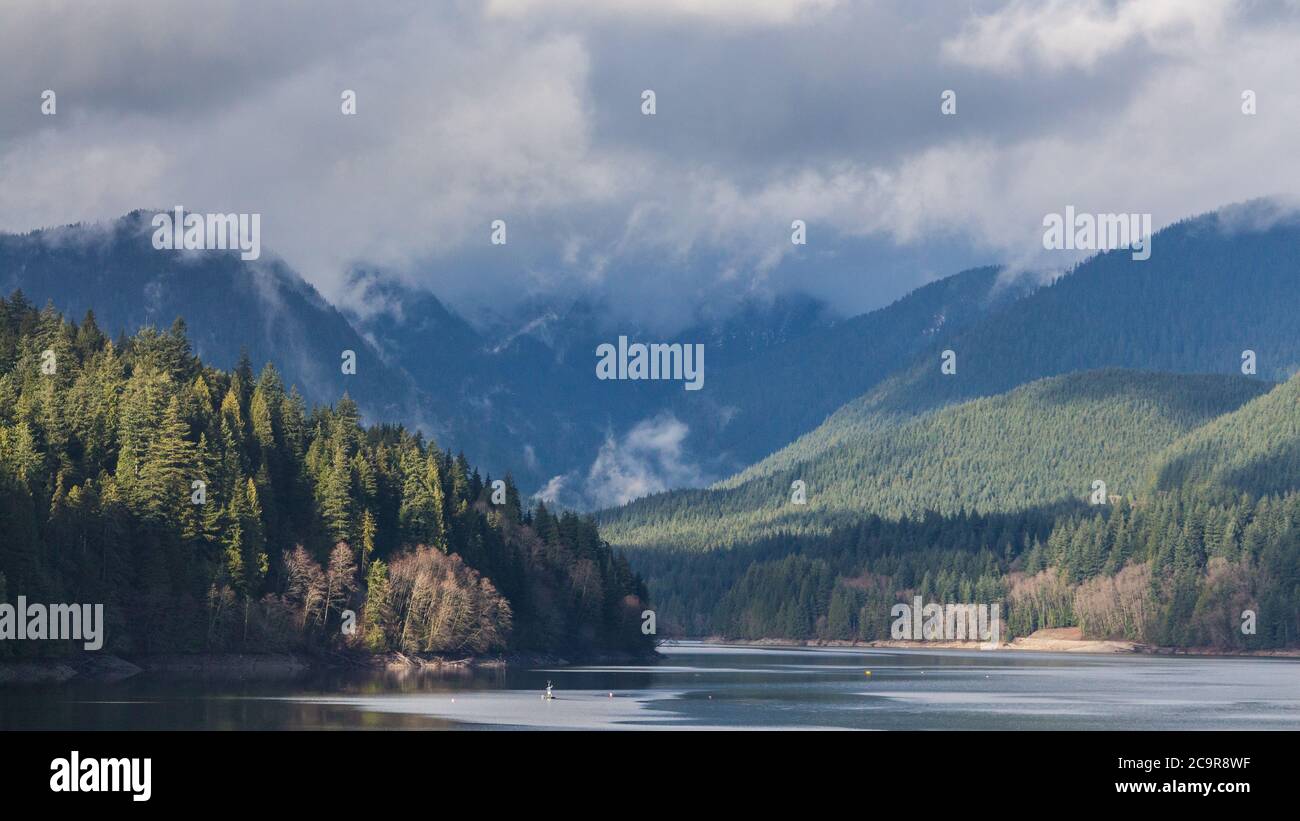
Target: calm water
column 711, row 686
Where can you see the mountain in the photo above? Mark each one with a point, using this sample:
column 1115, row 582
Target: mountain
column 516, row 389
column 763, row 403
column 1214, row 287
column 1209, row 534
column 774, row 369
column 787, row 379
column 521, row 392
column 1036, row 445
column 520, row 395
column 230, row 306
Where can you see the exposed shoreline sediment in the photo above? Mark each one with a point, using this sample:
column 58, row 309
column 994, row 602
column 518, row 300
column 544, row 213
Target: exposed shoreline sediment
column 1056, row 640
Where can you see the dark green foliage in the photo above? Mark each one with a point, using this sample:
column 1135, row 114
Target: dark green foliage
column 1036, row 445
column 1255, row 450
column 1190, row 567
column 100, row 462
column 1178, row 564
column 871, row 564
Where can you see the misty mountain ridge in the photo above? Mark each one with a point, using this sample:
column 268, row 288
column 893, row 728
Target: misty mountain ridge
column 517, row 390
column 230, row 305
column 1215, row 287
column 786, row 377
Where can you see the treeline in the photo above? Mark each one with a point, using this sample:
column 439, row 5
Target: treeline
column 1180, row 568
column 211, row 510
column 741, row 592
column 1173, row 568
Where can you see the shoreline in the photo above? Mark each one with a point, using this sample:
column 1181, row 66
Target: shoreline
column 1052, row 640
column 109, row 668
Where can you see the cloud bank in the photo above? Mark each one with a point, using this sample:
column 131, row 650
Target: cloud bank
column 528, row 112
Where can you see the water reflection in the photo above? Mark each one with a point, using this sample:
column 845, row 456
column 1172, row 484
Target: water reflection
column 707, row 686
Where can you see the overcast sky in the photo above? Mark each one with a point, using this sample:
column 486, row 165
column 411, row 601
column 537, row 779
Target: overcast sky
column 767, row 111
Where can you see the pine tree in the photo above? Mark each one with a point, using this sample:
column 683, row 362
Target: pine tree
column 368, row 530
column 376, row 613
column 421, row 513
column 164, row 487
column 336, row 497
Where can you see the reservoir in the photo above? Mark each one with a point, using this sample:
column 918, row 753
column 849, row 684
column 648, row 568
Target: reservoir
column 708, row 686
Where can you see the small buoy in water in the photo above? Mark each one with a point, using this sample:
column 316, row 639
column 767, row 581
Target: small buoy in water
column 453, row 701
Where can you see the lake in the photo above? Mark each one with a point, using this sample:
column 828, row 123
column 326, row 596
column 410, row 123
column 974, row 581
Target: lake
column 702, row 686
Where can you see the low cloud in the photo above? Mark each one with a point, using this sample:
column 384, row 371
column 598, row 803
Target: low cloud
column 647, row 459
column 554, row 491
column 767, row 112
column 1067, row 34
column 728, row 12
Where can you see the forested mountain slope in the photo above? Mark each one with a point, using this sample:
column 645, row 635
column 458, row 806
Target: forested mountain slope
column 1206, row 554
column 1173, row 569
column 1214, row 287
column 756, row 406
column 262, row 307
column 1254, row 450
column 209, row 510
column 1039, row 444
